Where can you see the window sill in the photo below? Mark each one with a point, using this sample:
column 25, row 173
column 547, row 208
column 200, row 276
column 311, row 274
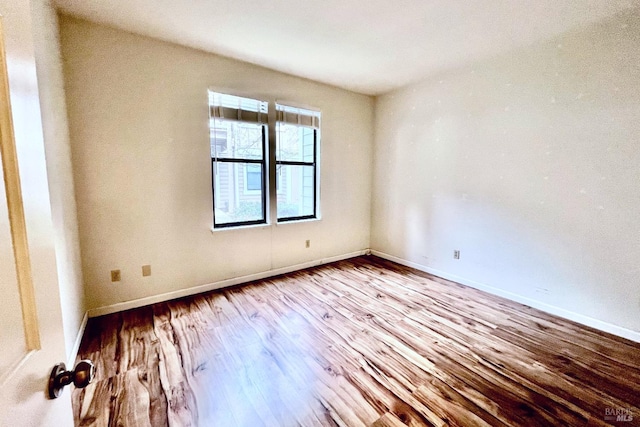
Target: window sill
column 239, row 227
column 277, row 224
column 298, row 221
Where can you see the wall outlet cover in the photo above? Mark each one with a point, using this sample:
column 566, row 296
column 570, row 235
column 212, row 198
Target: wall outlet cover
column 115, row 275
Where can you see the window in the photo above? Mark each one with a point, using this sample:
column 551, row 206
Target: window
column 241, row 161
column 238, row 160
column 296, row 162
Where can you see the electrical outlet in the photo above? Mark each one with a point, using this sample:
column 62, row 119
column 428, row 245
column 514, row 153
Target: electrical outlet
column 146, row 270
column 307, row 244
column 115, row 275
column 456, row 254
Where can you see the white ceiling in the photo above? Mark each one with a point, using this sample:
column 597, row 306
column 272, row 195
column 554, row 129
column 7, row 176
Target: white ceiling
column 368, row 46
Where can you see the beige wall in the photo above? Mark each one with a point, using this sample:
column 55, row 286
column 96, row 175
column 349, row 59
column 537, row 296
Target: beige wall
column 59, row 170
column 529, row 164
column 138, row 121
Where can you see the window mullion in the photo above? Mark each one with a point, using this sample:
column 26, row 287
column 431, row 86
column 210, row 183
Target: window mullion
column 295, row 163
column 237, row 160
column 270, row 156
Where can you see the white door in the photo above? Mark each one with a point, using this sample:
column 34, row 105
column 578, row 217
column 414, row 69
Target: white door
column 31, row 333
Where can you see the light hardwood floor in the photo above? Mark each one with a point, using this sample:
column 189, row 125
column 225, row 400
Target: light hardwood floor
column 355, row 343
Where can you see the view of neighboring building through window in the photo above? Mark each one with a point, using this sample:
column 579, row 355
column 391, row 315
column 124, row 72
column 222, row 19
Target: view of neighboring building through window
column 253, row 178
column 240, row 158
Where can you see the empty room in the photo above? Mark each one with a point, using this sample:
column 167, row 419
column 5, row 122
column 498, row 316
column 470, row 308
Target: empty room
column 320, row 213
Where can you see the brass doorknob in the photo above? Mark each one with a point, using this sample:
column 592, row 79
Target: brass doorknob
column 81, row 377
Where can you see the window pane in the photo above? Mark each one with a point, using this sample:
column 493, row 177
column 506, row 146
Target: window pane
column 233, row 200
column 235, row 140
column 294, row 143
column 296, row 191
column 254, row 177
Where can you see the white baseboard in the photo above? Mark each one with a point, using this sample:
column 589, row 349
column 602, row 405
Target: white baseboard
column 551, row 309
column 114, row 308
column 76, row 345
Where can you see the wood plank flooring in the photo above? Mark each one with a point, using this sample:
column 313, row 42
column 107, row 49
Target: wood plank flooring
column 361, row 342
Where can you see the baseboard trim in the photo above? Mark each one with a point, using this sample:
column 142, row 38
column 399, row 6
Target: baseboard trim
column 76, row 345
column 141, row 302
column 551, row 309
